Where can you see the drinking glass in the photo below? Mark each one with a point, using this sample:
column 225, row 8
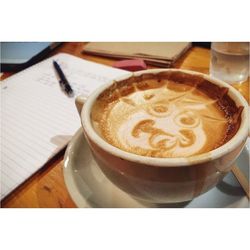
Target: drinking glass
column 230, row 61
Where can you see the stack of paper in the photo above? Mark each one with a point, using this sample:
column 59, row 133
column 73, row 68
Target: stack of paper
column 162, row 54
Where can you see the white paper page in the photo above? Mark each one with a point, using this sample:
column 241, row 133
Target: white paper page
column 37, row 118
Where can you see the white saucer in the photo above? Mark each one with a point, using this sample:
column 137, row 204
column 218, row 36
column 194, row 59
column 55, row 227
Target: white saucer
column 89, row 187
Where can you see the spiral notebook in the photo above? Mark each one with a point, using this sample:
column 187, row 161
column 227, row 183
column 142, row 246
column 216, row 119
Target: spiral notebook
column 37, row 118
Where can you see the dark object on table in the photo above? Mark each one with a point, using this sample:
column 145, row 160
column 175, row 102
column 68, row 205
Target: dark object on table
column 202, row 44
column 16, row 56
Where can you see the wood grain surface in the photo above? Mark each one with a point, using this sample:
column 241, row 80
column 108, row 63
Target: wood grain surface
column 46, row 188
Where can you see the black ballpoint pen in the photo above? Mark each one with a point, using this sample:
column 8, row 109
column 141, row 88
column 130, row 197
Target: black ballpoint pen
column 63, row 80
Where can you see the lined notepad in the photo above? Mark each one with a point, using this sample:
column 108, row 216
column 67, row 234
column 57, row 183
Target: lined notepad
column 37, row 118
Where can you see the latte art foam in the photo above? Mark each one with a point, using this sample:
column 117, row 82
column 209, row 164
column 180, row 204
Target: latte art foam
column 169, row 120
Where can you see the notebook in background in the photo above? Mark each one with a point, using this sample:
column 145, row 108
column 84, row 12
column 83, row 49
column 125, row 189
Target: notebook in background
column 162, row 54
column 37, row 118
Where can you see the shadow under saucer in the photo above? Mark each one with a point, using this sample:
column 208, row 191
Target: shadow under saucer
column 165, row 205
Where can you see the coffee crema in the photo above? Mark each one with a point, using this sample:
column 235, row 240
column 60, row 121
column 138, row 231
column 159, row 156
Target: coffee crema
column 169, row 114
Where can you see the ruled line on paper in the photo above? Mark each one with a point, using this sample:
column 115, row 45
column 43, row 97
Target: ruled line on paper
column 24, row 155
column 37, row 118
column 11, row 162
column 38, row 124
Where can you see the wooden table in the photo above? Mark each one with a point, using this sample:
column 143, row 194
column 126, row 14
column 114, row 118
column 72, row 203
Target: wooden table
column 46, row 188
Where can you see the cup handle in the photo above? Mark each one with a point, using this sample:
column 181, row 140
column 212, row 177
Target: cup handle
column 79, row 102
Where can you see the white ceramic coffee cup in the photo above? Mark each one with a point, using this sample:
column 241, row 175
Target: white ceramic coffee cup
column 163, row 180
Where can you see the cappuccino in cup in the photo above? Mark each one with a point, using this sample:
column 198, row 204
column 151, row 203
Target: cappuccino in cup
column 166, row 115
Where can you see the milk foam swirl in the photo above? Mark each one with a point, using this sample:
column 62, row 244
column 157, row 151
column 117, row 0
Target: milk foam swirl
column 163, row 122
